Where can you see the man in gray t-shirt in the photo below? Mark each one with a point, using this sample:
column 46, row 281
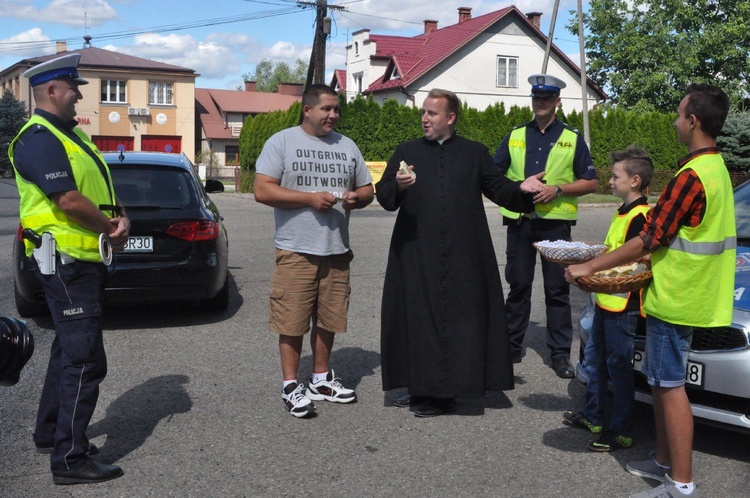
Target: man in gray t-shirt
column 312, row 177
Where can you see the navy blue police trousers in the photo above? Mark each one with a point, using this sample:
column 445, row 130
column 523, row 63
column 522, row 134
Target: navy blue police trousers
column 77, row 363
column 521, row 259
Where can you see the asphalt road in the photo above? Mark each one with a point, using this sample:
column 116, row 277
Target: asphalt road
column 191, row 405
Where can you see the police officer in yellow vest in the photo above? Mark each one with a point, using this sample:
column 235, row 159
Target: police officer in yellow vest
column 67, row 195
column 544, row 144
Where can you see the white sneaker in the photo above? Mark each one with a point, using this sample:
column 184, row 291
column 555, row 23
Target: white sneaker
column 330, row 390
column 666, row 490
column 295, row 401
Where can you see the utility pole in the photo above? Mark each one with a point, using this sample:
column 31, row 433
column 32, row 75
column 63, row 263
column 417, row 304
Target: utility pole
column 316, row 70
column 584, row 79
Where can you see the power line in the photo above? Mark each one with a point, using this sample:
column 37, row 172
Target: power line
column 379, row 17
column 317, row 67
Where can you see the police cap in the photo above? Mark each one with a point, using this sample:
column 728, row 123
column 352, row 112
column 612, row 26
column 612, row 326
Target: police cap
column 544, row 84
column 65, row 67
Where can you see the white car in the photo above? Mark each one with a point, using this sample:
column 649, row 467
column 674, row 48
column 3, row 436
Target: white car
column 718, row 371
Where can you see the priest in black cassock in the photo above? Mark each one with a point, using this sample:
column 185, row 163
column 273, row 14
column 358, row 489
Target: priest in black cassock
column 443, row 329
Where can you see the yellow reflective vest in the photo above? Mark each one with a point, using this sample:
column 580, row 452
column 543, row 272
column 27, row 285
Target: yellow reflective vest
column 40, row 214
column 558, row 170
column 618, row 230
column 693, row 281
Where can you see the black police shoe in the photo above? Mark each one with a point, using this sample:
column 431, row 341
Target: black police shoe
column 86, row 471
column 563, row 368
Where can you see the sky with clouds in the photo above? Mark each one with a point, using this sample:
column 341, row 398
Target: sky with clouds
column 224, row 39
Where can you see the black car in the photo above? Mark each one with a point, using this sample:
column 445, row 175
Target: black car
column 178, row 247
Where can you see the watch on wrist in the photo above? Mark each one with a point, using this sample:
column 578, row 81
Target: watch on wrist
column 559, row 191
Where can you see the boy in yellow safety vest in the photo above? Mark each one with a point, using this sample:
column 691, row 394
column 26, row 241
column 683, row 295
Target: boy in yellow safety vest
column 617, row 317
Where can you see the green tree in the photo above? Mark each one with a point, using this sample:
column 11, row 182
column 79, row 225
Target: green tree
column 257, row 129
column 494, row 126
column 359, row 119
column 735, row 142
column 394, row 126
column 470, row 123
column 268, row 75
column 12, row 118
column 645, row 52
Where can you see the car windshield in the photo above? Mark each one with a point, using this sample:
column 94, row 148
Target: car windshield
column 167, row 188
column 742, row 213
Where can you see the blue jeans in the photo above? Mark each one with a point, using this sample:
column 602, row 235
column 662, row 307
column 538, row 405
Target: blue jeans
column 667, row 348
column 611, row 343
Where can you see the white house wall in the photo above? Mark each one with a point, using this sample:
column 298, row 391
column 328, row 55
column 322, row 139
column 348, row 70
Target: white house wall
column 362, row 63
column 471, row 72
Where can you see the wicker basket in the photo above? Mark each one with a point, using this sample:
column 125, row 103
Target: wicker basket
column 615, row 284
column 571, row 255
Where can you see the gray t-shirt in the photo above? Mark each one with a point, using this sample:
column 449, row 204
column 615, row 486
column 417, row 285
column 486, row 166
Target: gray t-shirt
column 313, row 164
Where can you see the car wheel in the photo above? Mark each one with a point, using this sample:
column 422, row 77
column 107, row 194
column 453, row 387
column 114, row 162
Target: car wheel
column 220, row 301
column 26, row 308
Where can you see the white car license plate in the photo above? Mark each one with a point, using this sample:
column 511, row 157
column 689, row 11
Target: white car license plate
column 139, row 244
column 694, row 375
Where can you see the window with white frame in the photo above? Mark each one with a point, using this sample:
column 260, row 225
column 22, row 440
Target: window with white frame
column 507, row 71
column 114, row 91
column 160, row 93
column 358, row 82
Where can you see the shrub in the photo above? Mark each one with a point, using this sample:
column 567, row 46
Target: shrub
column 247, row 181
column 378, row 130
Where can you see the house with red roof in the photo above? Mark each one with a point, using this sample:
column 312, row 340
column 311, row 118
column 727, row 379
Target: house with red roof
column 484, row 60
column 220, row 115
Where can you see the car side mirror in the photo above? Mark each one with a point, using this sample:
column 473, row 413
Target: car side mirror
column 214, row 186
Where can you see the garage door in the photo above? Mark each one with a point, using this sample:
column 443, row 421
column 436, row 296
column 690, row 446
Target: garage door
column 161, row 143
column 113, row 143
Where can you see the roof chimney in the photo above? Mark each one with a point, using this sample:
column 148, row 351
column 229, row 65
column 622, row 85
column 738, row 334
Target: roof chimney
column 429, row 25
column 534, row 17
column 294, row 89
column 61, row 45
column 250, row 86
column 464, row 14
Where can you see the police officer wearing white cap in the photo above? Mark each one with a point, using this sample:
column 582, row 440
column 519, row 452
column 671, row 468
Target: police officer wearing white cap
column 66, row 190
column 544, row 144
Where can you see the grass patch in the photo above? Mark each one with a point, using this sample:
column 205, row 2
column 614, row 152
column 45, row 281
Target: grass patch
column 609, row 199
column 599, row 199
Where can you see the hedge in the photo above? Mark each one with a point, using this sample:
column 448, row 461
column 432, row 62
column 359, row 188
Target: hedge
column 378, row 130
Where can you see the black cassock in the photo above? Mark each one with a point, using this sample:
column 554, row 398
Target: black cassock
column 443, row 327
